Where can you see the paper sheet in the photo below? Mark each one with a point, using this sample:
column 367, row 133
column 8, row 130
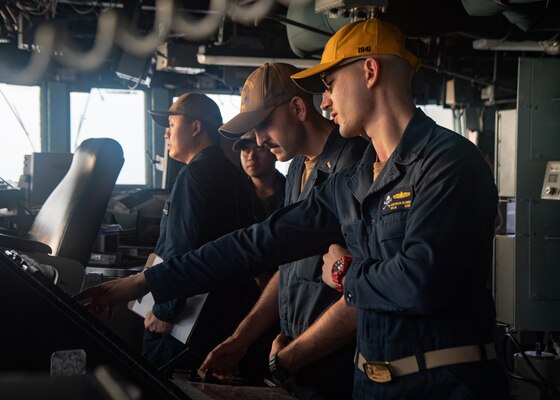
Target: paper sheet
column 185, row 321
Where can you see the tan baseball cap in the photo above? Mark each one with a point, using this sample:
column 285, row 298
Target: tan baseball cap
column 195, row 105
column 357, row 39
column 267, row 87
column 244, row 140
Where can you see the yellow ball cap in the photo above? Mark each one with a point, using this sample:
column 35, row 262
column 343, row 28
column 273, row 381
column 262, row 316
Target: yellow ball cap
column 357, row 39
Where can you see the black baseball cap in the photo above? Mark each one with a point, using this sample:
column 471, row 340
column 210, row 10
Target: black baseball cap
column 195, row 105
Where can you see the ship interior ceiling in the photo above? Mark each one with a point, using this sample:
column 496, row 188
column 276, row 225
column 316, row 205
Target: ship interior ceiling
column 494, row 63
column 450, row 41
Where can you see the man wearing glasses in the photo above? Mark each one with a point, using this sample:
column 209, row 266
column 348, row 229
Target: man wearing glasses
column 417, row 214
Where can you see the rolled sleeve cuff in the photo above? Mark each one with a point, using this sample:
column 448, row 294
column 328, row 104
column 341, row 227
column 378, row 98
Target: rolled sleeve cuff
column 164, row 311
column 156, row 283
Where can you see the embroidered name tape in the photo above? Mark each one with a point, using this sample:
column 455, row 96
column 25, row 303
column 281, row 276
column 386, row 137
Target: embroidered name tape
column 397, row 200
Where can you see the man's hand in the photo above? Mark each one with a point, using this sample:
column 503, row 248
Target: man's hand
column 335, row 253
column 279, row 343
column 153, row 324
column 286, row 351
column 107, row 295
column 224, row 360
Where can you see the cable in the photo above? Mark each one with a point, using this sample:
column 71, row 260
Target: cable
column 500, row 220
column 152, row 161
column 174, row 360
column 32, row 10
column 286, row 21
column 82, row 118
column 470, row 79
column 220, row 80
column 82, row 12
column 12, row 14
column 4, row 16
column 135, row 85
column 18, row 118
column 548, row 391
column 8, row 183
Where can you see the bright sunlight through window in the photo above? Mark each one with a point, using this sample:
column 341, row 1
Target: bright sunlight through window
column 116, row 114
column 21, row 128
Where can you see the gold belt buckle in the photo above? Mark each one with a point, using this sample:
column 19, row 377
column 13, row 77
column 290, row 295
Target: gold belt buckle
column 379, row 372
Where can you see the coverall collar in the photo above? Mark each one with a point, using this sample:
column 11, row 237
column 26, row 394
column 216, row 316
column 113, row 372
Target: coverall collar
column 412, row 142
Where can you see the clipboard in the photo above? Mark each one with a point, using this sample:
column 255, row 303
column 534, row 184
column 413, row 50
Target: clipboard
column 185, row 321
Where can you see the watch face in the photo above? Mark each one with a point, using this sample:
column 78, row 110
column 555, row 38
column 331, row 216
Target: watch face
column 339, row 271
column 338, row 265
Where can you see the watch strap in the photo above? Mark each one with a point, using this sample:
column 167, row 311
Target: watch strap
column 276, row 370
column 339, row 270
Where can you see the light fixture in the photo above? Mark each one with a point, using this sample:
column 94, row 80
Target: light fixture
column 552, row 46
column 500, row 45
column 240, row 61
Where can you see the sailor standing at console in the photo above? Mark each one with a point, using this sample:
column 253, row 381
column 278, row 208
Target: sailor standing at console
column 210, row 197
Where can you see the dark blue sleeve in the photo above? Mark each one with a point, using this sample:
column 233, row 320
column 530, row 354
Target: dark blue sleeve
column 185, row 229
column 188, row 211
column 168, row 310
column 289, row 234
column 438, row 245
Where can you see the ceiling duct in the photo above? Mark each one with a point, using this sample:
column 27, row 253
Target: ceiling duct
column 527, row 15
column 304, row 42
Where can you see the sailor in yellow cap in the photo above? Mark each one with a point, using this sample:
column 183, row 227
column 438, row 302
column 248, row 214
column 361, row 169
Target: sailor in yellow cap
column 423, row 247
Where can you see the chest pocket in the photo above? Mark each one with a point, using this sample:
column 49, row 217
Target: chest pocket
column 309, row 269
column 390, row 233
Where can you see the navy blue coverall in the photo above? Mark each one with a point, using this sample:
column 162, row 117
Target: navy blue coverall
column 210, row 198
column 303, row 296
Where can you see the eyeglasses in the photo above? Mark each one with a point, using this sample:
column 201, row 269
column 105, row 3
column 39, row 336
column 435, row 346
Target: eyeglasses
column 343, row 64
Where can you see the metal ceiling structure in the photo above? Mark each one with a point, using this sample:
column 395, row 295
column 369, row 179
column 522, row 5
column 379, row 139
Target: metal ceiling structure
column 212, row 45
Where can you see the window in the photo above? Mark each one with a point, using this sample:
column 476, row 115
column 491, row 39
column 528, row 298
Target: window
column 21, row 128
column 229, row 105
column 442, row 116
column 116, row 114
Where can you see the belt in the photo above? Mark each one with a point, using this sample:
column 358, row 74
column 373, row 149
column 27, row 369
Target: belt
column 385, row 371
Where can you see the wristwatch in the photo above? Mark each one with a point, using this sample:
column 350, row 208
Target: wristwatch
column 339, row 269
column 276, row 369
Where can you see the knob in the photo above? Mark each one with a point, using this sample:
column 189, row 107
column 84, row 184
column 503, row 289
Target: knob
column 550, row 190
